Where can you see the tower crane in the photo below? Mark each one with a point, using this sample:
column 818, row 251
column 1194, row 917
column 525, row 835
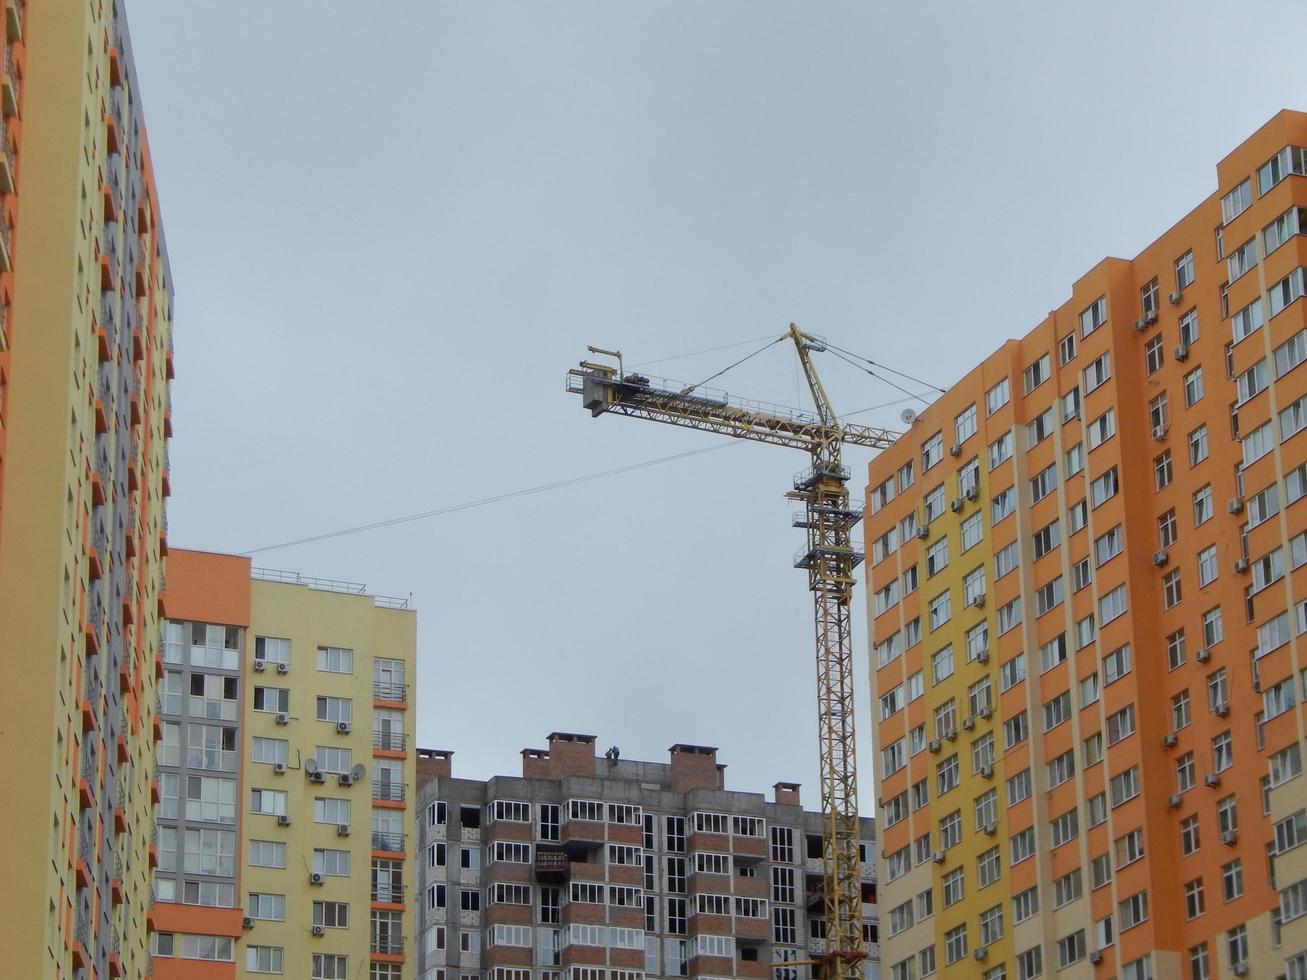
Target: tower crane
column 829, row 556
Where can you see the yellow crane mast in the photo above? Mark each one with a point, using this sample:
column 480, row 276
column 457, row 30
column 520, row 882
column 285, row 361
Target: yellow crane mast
column 829, row 557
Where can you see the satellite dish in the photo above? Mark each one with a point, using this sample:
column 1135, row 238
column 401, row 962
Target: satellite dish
column 358, row 772
column 908, row 416
column 310, row 766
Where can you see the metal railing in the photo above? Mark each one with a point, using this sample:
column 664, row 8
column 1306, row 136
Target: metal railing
column 384, row 691
column 89, row 771
column 8, row 149
column 86, row 848
column 82, row 929
column 387, row 893
column 11, row 74
column 390, row 601
column 391, row 741
column 382, row 841
column 388, row 791
column 391, row 944
column 91, row 689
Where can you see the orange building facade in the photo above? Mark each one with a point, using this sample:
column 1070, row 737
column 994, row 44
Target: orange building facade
column 1087, row 604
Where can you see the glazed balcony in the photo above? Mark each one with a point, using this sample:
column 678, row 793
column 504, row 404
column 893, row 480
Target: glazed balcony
column 9, row 89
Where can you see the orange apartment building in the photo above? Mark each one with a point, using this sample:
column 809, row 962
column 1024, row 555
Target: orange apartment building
column 1088, row 598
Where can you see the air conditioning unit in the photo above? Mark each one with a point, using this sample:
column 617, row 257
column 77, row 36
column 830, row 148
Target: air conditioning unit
column 980, row 953
column 247, row 922
column 978, row 602
column 933, row 745
column 1141, row 326
column 1169, row 740
column 345, row 779
column 1159, row 432
column 283, row 668
column 1229, row 836
column 319, row 931
column 972, row 492
column 1173, row 800
column 1236, row 505
column 968, row 723
column 982, row 657
column 955, row 450
column 1150, row 318
column 1174, row 297
column 1257, row 685
column 283, row 820
column 1239, row 969
column 260, row 665
column 986, row 772
column 283, row 718
column 1203, row 655
column 923, row 532
column 316, row 776
column 1182, row 352
column 1095, row 956
column 986, row 712
column 316, row 878
column 1222, row 709
column 342, row 830
column 1241, row 565
column 344, row 727
column 1160, row 558
column 952, row 736
column 279, row 768
column 1212, row 779
column 938, row 857
column 956, row 505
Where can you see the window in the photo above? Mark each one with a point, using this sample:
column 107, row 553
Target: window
column 1023, row 845
column 1180, row 716
column 335, row 709
column 1057, row 710
column 1109, row 545
column 1193, row 387
column 1040, row 428
column 336, row 660
column 1093, row 317
column 946, row 774
column 989, row 867
column 937, row 556
column 1198, row 445
column 942, row 664
column 1172, row 592
column 1005, row 560
column 1124, row 786
column 1194, row 902
column 1009, row 616
column 1071, row 405
column 1078, row 516
column 1232, row 880
column 1048, row 597
column 955, row 944
column 1132, row 910
column 1043, row 483
column 329, row 966
column 1075, row 459
column 965, row 424
column 1112, row 605
column 1003, row 505
column 1012, row 672
column 1162, row 474
column 1241, row 259
column 269, row 801
column 1016, row 730
column 1189, row 838
column 1104, row 487
column 1046, row 539
column 1237, row 201
column 271, row 699
column 1036, row 374
column 1290, row 160
column 267, row 854
column 932, row 451
column 1067, row 889
column 266, row 906
column 1018, row 787
column 1184, row 270
column 1052, row 653
column 1290, row 354
column 1066, row 828
column 1066, row 349
column 1293, row 419
column 940, row 610
column 997, row 397
column 1000, row 450
column 1237, row 944
column 331, row 862
column 1098, row 372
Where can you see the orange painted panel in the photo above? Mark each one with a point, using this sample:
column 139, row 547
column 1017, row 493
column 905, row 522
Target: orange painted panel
column 208, row 587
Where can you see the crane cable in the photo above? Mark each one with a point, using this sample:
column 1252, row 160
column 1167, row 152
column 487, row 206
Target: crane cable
column 689, row 389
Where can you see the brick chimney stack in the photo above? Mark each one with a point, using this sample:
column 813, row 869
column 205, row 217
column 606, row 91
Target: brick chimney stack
column 695, row 767
column 434, row 764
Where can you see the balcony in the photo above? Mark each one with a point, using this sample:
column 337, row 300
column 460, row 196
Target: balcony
column 391, row 944
column 385, row 691
column 394, row 792
column 388, row 842
column 7, row 165
column 13, row 20
column 389, row 741
column 388, row 894
column 9, row 92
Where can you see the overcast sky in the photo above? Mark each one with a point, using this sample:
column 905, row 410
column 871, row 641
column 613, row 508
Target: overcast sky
column 394, row 226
